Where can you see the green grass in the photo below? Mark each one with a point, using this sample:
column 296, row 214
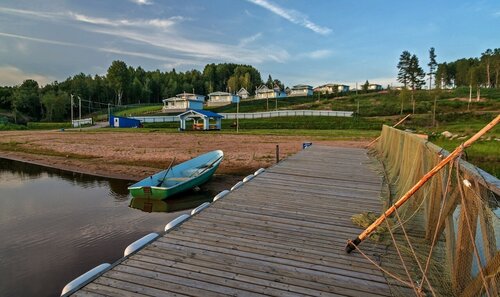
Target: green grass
column 484, row 154
column 47, row 125
column 138, row 110
column 5, row 126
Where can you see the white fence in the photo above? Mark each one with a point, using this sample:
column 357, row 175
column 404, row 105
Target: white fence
column 157, row 119
column 255, row 115
column 287, row 113
column 79, row 123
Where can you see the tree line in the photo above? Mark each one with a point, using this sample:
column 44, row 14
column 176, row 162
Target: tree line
column 122, row 85
column 483, row 71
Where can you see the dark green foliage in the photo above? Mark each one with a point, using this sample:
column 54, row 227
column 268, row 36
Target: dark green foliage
column 26, row 100
column 483, row 71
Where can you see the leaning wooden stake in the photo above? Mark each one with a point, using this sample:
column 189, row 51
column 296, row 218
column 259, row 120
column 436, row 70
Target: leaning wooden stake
column 397, row 124
column 351, row 245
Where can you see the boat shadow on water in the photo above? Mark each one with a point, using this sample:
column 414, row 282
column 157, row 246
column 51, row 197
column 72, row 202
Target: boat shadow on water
column 186, row 200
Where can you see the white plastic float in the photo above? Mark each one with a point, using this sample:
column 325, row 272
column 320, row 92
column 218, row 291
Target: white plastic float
column 237, row 185
column 259, row 171
column 139, row 243
column 77, row 282
column 176, row 221
column 220, row 195
column 200, row 208
column 248, row 178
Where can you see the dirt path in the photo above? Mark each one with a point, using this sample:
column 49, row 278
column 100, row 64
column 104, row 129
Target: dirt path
column 132, row 155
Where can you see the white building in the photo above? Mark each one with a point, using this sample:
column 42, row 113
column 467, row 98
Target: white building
column 301, row 90
column 183, row 102
column 222, row 98
column 243, row 93
column 375, row 87
column 332, row 88
column 264, row 92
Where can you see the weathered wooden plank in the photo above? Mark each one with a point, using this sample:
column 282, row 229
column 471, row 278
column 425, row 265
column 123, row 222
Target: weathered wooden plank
column 312, row 274
column 282, row 234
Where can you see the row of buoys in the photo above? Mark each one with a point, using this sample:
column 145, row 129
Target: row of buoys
column 140, row 243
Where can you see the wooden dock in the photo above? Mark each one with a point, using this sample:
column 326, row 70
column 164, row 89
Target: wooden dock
column 281, row 234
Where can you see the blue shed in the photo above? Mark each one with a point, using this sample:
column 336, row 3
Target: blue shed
column 122, row 122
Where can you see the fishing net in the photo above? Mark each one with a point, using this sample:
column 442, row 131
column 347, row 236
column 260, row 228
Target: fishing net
column 445, row 240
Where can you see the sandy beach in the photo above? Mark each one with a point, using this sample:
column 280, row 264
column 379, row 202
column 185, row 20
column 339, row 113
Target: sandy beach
column 130, row 155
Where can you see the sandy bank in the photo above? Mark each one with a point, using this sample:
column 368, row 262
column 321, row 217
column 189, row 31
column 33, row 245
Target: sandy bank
column 134, row 156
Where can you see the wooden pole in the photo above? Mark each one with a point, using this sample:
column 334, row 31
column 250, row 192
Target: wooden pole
column 277, row 153
column 351, row 245
column 397, row 124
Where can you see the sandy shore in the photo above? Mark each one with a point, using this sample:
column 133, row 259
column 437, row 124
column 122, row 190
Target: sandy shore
column 134, row 156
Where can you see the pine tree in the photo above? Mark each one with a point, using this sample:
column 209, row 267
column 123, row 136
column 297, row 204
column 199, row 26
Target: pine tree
column 432, row 66
column 415, row 77
column 403, row 66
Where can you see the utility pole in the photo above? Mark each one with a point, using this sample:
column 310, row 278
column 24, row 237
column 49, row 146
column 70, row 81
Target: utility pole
column 267, row 101
column 109, row 112
column 356, row 88
column 238, row 116
column 79, row 108
column 71, row 110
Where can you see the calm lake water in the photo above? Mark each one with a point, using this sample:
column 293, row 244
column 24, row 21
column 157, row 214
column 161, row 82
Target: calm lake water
column 56, row 225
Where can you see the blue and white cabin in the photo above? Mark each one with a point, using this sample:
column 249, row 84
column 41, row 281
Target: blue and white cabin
column 183, row 102
column 301, row 90
column 222, row 98
column 202, row 120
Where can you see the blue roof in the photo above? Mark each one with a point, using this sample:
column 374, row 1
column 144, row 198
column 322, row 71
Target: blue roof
column 207, row 113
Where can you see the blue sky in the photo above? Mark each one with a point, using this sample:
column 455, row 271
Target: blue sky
column 296, row 41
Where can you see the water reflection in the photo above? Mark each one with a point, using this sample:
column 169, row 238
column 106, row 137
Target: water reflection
column 25, row 171
column 186, row 200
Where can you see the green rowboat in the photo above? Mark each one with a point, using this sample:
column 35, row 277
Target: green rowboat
column 179, row 178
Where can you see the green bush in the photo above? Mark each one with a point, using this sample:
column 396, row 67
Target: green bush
column 47, row 126
column 6, row 126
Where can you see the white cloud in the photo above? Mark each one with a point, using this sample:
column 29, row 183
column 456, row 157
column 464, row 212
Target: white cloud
column 496, row 14
column 11, row 76
column 154, row 34
column 250, row 39
column 142, row 2
column 101, row 49
column 155, row 23
column 292, row 16
column 317, row 54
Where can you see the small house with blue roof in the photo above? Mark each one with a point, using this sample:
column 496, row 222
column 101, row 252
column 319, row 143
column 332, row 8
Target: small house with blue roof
column 202, row 120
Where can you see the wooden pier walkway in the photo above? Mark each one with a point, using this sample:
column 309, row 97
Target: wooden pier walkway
column 281, row 234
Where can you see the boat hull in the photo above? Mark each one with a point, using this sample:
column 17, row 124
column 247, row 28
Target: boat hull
column 146, row 189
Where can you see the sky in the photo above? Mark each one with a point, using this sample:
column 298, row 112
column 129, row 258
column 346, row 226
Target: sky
column 296, row 41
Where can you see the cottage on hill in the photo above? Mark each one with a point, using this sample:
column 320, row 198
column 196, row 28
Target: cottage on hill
column 182, row 102
column 332, row 88
column 301, row 90
column 222, row 98
column 264, row 92
column 243, row 93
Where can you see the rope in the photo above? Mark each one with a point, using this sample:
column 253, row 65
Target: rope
column 476, row 253
column 445, row 194
column 424, row 277
column 378, row 266
column 418, row 292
